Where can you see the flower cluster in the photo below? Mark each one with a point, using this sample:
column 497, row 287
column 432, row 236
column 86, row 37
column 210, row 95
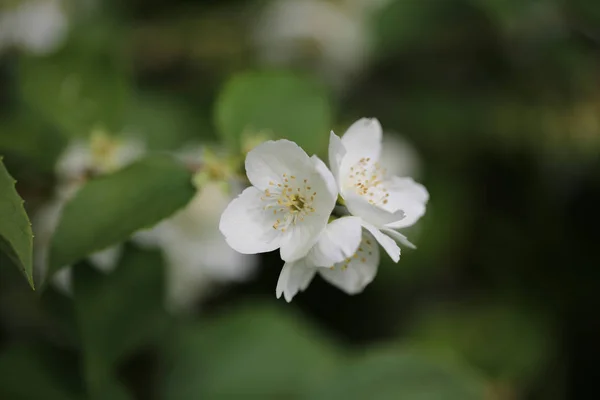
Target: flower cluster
column 290, row 206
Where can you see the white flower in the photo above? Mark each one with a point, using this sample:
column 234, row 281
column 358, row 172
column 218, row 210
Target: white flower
column 37, row 26
column 333, row 39
column 346, row 256
column 384, row 203
column 288, row 205
column 98, row 155
column 196, row 253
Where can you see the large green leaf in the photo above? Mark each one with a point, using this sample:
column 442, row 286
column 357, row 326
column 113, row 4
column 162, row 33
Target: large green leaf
column 118, row 314
column 108, row 209
column 32, row 372
column 278, row 104
column 393, row 373
column 16, row 238
column 257, row 352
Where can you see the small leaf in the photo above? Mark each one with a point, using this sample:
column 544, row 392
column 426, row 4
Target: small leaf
column 118, row 314
column 393, row 373
column 278, row 104
column 257, row 352
column 109, row 209
column 16, row 237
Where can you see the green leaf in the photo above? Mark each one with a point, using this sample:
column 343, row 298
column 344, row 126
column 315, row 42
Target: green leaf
column 16, row 238
column 84, row 85
column 109, row 209
column 278, row 104
column 256, row 352
column 118, row 314
column 396, row 374
column 32, row 372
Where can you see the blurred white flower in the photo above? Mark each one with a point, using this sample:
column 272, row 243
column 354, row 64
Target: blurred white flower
column 196, row 253
column 345, row 255
column 97, row 155
column 384, row 203
column 332, row 36
column 288, row 205
column 399, row 157
column 81, row 159
column 36, row 26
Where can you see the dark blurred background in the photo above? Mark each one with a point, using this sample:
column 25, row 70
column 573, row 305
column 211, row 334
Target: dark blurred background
column 499, row 104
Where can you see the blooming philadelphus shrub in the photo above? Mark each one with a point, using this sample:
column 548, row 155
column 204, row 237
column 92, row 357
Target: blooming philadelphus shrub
column 290, row 206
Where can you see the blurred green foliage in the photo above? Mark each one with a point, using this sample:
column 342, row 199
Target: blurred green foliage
column 118, row 314
column 507, row 343
column 501, row 100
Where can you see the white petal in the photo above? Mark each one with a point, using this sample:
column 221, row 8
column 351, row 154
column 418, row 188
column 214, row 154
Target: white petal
column 339, row 240
column 74, row 161
column 408, row 187
column 359, row 206
column 106, row 260
column 268, row 162
column 409, row 196
column 400, row 238
column 63, row 280
column 247, row 227
column 220, row 261
column 336, row 156
column 327, row 176
column 153, row 237
column 294, row 277
column 352, row 277
column 361, row 140
column 299, row 239
column 388, row 244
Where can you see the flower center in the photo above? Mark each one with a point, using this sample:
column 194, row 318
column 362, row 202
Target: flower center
column 290, row 200
column 104, row 151
column 297, row 203
column 368, row 179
